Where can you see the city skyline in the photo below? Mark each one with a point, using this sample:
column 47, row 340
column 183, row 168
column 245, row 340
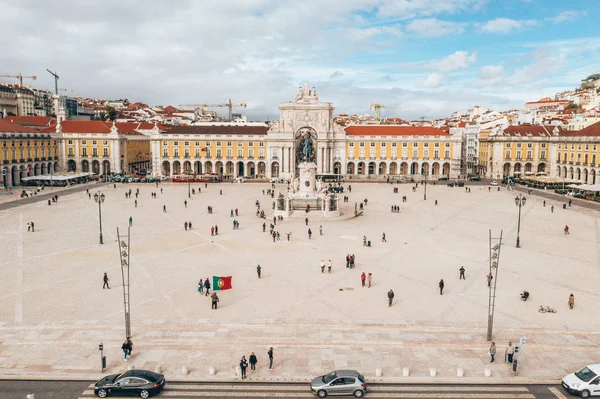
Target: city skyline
column 430, row 58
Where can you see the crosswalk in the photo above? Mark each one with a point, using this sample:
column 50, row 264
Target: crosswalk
column 174, row 390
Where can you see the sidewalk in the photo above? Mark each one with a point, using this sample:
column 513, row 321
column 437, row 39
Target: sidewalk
column 301, row 351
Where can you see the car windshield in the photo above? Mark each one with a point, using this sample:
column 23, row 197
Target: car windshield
column 585, row 374
column 329, row 377
column 361, row 378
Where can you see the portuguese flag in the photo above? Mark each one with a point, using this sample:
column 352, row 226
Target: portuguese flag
column 221, row 283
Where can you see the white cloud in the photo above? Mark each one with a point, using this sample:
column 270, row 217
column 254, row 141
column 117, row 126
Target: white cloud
column 568, row 15
column 491, row 72
column 436, row 79
column 506, row 25
column 406, row 9
column 433, row 27
column 456, row 60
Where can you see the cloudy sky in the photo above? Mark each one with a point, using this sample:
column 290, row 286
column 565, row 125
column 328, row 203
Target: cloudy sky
column 428, row 57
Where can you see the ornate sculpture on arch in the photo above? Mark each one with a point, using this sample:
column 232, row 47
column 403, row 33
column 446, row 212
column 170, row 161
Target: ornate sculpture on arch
column 305, row 146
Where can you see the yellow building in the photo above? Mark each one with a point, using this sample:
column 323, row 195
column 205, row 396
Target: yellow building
column 578, row 155
column 25, row 152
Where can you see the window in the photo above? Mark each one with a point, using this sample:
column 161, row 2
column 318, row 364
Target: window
column 69, row 152
column 83, row 142
column 557, row 160
column 544, row 145
column 447, row 145
column 240, row 144
column 105, row 151
column 362, row 150
column 372, row 150
column 415, row 152
column 543, row 155
column 94, row 142
column 382, row 145
column 105, row 142
column 261, row 153
column 351, row 144
column 529, row 145
column 587, row 147
column 518, row 145
column 528, row 154
column 426, row 145
column 436, row 154
column 579, row 147
column 165, row 153
column 507, row 155
column 176, row 143
column 207, row 152
column 518, row 154
column 176, row 152
column 207, row 143
column 251, row 152
column 229, row 153
column 447, row 154
column 560, row 146
column 275, row 152
column 436, row 145
column 250, row 144
column 94, row 152
column 572, row 157
column 186, row 152
column 84, row 152
column 594, row 147
column 393, row 144
column 426, row 151
column 507, row 145
column 594, row 159
column 218, row 153
column 229, row 144
column 261, row 144
column 362, row 144
column 394, row 149
column 572, row 146
column 585, row 159
column 404, row 145
column 404, row 150
column 240, row 152
column 197, row 144
column 70, row 142
column 197, row 152
column 218, row 143
column 186, row 143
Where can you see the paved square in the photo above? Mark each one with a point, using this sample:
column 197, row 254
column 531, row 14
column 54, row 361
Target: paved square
column 54, row 275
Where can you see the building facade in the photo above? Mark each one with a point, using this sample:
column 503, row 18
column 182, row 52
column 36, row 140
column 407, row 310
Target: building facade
column 25, row 152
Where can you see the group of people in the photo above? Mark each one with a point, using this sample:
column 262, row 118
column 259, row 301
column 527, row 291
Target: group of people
column 253, row 360
column 395, row 209
column 350, row 261
column 214, row 230
column 368, row 279
column 187, row 225
column 204, row 286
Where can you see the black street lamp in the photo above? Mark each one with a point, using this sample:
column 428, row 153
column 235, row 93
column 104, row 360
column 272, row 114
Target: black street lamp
column 520, row 202
column 99, row 198
column 424, row 172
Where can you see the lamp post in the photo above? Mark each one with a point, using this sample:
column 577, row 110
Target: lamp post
column 424, row 185
column 520, row 202
column 495, row 246
column 188, row 176
column 99, row 198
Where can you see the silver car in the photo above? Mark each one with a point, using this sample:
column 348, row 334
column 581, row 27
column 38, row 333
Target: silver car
column 339, row 382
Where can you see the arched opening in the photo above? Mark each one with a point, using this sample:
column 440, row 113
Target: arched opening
column 446, row 169
column 71, row 165
column 371, row 168
column 577, row 174
column 56, row 166
column 251, row 168
column 337, row 168
column 29, row 170
column 382, row 169
column 436, row 169
column 564, row 172
column 570, row 175
column 559, row 171
column 229, row 168
column 198, row 167
column 187, row 167
column 176, row 168
column 542, row 168
column 404, row 168
column 585, row 175
column 219, row 168
column 106, row 168
column 96, row 167
column 593, row 176
column 208, row 167
column 275, row 169
column 425, row 168
column 361, row 168
column 262, row 170
column 517, row 169
column 16, row 178
column 44, row 169
column 414, row 168
column 240, row 168
column 166, row 168
column 85, row 166
column 6, row 177
column 350, row 168
column 36, row 170
column 527, row 168
column 393, row 168
column 506, row 170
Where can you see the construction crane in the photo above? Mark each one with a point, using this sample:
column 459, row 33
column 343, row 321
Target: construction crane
column 228, row 104
column 20, row 77
column 377, row 107
column 55, row 80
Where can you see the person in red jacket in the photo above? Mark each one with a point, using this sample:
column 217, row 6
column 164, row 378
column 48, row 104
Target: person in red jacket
column 363, row 277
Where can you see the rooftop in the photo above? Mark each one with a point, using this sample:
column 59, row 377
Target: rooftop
column 394, row 130
column 222, row 129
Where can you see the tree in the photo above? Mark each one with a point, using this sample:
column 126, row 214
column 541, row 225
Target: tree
column 112, row 113
column 573, row 106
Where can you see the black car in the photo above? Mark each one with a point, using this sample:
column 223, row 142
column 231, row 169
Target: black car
column 133, row 382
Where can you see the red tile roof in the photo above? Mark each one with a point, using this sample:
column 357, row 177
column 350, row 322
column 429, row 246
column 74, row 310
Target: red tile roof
column 532, row 130
column 34, row 121
column 591, row 130
column 9, row 127
column 81, row 127
column 227, row 129
column 391, row 130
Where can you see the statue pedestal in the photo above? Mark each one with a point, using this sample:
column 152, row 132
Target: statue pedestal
column 307, row 180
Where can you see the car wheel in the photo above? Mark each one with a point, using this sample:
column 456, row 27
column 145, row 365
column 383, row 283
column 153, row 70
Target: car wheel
column 322, row 393
column 358, row 393
column 102, row 393
column 144, row 394
column 585, row 393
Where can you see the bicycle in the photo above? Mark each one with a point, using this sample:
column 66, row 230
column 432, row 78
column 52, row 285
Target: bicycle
column 546, row 309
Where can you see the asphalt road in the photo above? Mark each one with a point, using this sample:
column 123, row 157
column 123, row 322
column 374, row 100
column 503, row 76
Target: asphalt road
column 75, row 390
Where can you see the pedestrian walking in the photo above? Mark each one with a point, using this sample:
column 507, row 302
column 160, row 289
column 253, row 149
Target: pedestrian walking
column 571, row 301
column 135, row 203
column 231, row 213
column 441, row 285
column 383, row 238
column 489, row 279
column 243, row 366
column 363, row 279
column 105, row 282
column 306, row 221
column 544, row 202
column 552, row 209
column 364, row 241
column 253, row 362
column 321, row 229
column 190, row 225
column 288, row 235
column 264, row 227
column 309, row 233
column 322, row 266
column 32, row 227
column 258, row 269
column 125, row 349
column 369, row 280
column 270, row 353
column 390, row 295
column 130, row 221
column 29, row 226
column 492, row 351
column 185, row 203
column 214, row 299
column 435, row 202
column 216, row 230
column 129, row 346
column 164, row 208
column 329, row 266
column 200, row 285
column 566, row 229
column 510, row 351
column 207, row 286
column 185, row 225
column 212, row 230
column 274, row 235
column 278, row 237
column 462, row 273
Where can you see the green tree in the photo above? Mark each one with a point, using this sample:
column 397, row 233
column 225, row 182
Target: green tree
column 112, row 113
column 573, row 106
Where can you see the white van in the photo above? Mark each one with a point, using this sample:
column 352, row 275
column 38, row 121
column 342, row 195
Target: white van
column 585, row 382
